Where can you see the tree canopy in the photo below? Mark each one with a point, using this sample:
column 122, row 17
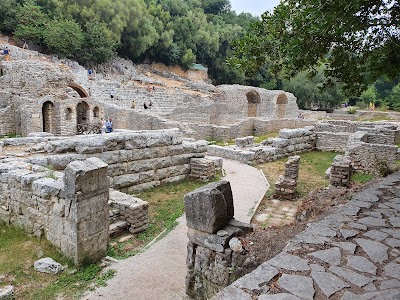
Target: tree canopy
column 357, row 41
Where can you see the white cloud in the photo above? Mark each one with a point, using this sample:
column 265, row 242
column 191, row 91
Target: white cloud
column 255, row 7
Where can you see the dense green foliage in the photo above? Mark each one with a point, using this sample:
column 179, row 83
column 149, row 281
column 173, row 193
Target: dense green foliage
column 170, row 31
column 358, row 41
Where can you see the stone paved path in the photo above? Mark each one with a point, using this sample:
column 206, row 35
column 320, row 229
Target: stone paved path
column 351, row 254
column 159, row 272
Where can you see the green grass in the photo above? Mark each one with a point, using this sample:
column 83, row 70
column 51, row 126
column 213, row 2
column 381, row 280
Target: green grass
column 9, row 135
column 165, row 206
column 18, row 252
column 311, row 172
column 361, row 178
column 260, row 138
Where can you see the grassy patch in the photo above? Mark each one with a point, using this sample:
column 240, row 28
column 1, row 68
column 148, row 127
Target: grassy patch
column 376, row 117
column 311, row 172
column 165, row 206
column 18, row 252
column 361, row 178
column 260, row 138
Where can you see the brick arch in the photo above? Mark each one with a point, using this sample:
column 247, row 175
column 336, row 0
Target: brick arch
column 80, row 90
column 253, row 99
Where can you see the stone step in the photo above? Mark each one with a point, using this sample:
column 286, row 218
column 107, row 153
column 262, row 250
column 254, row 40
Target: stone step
column 117, row 227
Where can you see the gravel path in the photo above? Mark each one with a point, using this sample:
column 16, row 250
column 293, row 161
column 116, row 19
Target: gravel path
column 159, row 272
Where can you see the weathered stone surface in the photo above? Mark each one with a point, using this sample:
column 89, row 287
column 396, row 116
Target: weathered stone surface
column 376, row 235
column 393, row 270
column 206, row 208
column 236, row 245
column 48, row 265
column 7, row 292
column 289, row 262
column 281, row 296
column 372, row 222
column 318, row 268
column 328, row 283
column 392, row 294
column 348, row 233
column 395, row 221
column 232, row 293
column 361, row 264
column 330, row 256
column 370, row 287
column 347, row 246
column 375, row 250
column 389, row 284
column 300, row 286
column 261, row 275
column 351, row 276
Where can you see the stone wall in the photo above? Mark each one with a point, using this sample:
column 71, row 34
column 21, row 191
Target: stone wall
column 71, row 211
column 136, row 160
column 216, row 256
column 289, row 142
column 202, row 169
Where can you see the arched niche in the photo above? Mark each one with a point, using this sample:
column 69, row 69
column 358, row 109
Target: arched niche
column 82, row 113
column 253, row 99
column 80, row 90
column 96, row 112
column 48, row 116
column 281, row 102
column 68, row 113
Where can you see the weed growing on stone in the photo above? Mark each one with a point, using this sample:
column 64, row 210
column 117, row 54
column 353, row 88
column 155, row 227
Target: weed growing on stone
column 260, row 138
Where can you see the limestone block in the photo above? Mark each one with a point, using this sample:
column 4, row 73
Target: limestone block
column 90, row 145
column 207, row 207
column 47, row 188
column 125, row 180
column 48, row 265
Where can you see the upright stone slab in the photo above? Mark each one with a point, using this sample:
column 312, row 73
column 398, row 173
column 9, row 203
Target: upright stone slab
column 210, row 207
column 340, row 171
column 87, row 193
column 285, row 186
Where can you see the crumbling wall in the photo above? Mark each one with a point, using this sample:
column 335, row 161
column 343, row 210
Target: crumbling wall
column 71, row 211
column 285, row 186
column 216, row 256
column 340, row 171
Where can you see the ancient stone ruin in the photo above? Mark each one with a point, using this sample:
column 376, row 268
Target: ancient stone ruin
column 216, row 256
column 285, row 186
column 340, row 171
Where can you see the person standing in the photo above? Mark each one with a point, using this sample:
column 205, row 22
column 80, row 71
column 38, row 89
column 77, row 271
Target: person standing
column 109, row 125
column 7, row 54
column 103, row 125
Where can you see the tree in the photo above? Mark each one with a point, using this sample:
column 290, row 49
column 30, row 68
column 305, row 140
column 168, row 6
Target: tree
column 64, row 37
column 31, row 22
column 357, row 40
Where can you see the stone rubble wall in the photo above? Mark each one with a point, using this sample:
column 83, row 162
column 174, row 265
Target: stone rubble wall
column 131, row 210
column 215, row 256
column 370, row 158
column 289, row 142
column 202, row 169
column 340, row 171
column 285, row 186
column 70, row 211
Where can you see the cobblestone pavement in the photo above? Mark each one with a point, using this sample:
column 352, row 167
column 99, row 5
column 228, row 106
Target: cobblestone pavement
column 278, row 213
column 351, row 254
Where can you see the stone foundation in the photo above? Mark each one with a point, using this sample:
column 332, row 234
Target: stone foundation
column 202, row 169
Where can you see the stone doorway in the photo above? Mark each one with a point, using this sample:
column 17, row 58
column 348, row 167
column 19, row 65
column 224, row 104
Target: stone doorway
column 281, row 102
column 82, row 113
column 253, row 99
column 48, row 116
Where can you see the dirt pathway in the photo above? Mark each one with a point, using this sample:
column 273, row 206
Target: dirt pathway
column 159, row 272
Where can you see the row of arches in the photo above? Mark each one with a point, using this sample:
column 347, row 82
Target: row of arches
column 253, row 99
column 82, row 115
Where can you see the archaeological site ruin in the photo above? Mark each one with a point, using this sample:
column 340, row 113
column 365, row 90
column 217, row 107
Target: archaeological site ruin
column 64, row 180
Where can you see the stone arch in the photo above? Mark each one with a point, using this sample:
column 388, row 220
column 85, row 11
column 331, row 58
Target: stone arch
column 48, row 116
column 281, row 102
column 82, row 113
column 96, row 112
column 253, row 99
column 68, row 113
column 80, row 90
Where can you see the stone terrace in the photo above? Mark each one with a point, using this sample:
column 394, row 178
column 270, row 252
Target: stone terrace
column 351, row 254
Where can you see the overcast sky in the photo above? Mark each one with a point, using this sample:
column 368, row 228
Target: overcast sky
column 255, row 7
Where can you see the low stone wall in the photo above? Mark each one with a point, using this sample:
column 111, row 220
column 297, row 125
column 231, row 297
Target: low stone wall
column 289, row 142
column 129, row 212
column 71, row 211
column 332, row 141
column 202, row 169
column 136, row 160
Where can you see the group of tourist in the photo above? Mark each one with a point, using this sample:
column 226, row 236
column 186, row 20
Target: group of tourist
column 106, row 125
